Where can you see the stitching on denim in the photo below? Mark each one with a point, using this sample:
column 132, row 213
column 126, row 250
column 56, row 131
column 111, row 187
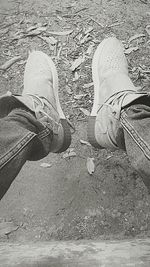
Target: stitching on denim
column 135, row 136
column 44, row 133
column 15, row 150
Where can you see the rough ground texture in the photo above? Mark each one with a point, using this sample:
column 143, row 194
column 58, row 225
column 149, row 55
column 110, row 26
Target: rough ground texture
column 64, row 201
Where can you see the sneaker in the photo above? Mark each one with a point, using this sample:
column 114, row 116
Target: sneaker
column 111, row 81
column 40, row 95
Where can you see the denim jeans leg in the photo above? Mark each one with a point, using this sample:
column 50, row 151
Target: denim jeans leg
column 22, row 138
column 135, row 121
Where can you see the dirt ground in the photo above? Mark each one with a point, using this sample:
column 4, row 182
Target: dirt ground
column 64, row 201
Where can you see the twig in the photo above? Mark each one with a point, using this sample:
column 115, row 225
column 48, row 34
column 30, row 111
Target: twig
column 101, row 25
column 7, row 25
column 9, row 63
column 114, row 24
column 82, row 9
column 71, row 125
column 144, row 1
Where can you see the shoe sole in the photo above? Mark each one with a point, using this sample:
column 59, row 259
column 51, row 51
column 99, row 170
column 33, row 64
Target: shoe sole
column 95, row 76
column 63, row 121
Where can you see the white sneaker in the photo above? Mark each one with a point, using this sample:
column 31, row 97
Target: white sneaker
column 40, row 95
column 112, row 88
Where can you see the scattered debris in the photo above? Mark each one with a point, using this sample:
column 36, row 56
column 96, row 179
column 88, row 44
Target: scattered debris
column 59, row 17
column 85, row 39
column 136, row 36
column 36, row 31
column 109, row 157
column 88, row 85
column 70, row 153
column 131, row 49
column 85, row 111
column 97, row 22
column 31, row 28
column 144, row 1
column 71, row 125
column 83, row 142
column 90, row 165
column 61, row 33
column 78, row 97
column 90, row 49
column 10, row 62
column 77, row 63
column 59, row 52
column 68, row 90
column 45, row 165
column 76, row 76
column 3, row 31
column 18, row 35
column 90, row 29
column 148, row 29
column 71, row 5
column 49, row 40
column 115, row 24
column 82, row 9
column 7, row 228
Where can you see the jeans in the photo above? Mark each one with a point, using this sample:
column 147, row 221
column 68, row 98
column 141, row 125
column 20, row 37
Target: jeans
column 22, row 138
column 135, row 122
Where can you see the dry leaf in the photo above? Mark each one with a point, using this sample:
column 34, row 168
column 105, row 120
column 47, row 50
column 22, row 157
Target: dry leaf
column 115, row 24
column 7, row 228
column 3, row 31
column 18, row 35
column 90, row 29
column 45, row 165
column 71, row 5
column 78, row 97
column 77, row 63
column 131, row 49
column 148, row 29
column 90, row 49
column 85, row 111
column 88, row 85
column 61, row 33
column 59, row 17
column 83, row 142
column 36, row 31
column 49, row 40
column 76, row 76
column 90, row 165
column 10, row 62
column 68, row 90
column 136, row 36
column 69, row 154
column 31, row 28
column 85, row 39
column 72, row 154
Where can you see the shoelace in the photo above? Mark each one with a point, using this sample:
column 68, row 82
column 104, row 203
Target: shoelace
column 40, row 107
column 119, row 98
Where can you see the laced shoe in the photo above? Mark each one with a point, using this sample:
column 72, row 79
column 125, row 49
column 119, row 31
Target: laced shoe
column 112, row 85
column 40, row 95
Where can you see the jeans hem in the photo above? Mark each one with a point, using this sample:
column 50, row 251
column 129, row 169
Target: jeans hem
column 15, row 150
column 134, row 135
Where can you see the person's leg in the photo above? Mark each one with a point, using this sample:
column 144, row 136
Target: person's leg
column 19, row 142
column 32, row 124
column 113, row 90
column 135, row 121
column 118, row 120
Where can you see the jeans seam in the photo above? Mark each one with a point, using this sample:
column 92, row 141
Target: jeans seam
column 16, row 149
column 135, row 136
column 44, row 133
